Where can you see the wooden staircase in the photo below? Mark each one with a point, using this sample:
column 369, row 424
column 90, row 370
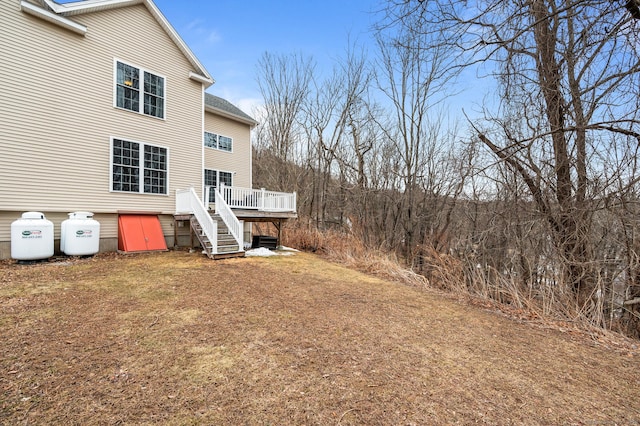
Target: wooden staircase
column 227, row 245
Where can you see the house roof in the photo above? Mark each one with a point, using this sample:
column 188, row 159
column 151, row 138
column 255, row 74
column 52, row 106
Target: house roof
column 61, row 12
column 223, row 107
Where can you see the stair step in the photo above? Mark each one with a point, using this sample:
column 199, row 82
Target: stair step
column 227, row 255
column 229, row 249
column 227, row 246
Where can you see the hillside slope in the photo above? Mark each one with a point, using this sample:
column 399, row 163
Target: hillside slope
column 176, row 338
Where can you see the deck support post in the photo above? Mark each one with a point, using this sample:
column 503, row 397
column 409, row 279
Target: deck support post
column 278, row 225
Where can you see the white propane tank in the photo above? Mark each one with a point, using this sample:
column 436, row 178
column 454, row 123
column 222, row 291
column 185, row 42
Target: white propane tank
column 31, row 237
column 80, row 235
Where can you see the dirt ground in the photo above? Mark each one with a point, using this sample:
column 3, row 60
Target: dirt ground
column 175, row 338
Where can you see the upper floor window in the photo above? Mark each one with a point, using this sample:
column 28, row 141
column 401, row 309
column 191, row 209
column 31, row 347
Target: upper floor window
column 138, row 167
column 223, row 143
column 139, row 90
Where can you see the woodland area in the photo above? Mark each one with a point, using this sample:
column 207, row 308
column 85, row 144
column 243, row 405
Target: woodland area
column 530, row 198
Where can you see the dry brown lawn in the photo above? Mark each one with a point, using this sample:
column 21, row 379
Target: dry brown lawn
column 174, row 338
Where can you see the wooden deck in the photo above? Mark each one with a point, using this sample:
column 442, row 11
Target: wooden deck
column 183, row 230
column 236, row 205
column 263, row 216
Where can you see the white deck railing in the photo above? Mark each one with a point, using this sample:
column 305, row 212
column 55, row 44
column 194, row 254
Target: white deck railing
column 258, row 199
column 187, row 201
column 230, row 219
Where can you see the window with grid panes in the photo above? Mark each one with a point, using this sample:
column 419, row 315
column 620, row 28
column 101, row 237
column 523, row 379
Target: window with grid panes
column 224, row 178
column 222, row 143
column 155, row 170
column 146, row 96
column 138, row 167
column 213, row 178
column 211, row 140
column 126, row 166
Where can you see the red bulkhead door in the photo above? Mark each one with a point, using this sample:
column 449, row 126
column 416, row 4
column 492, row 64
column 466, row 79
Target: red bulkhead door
column 140, row 233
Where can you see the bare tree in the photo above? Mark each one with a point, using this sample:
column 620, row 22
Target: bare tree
column 413, row 74
column 284, row 82
column 568, row 71
column 544, row 193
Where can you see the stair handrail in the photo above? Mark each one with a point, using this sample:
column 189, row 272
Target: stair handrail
column 258, row 199
column 187, row 201
column 228, row 217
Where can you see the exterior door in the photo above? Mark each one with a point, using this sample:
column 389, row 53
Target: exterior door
column 140, row 233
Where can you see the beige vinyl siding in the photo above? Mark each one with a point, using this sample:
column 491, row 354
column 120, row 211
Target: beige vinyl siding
column 108, row 223
column 239, row 160
column 58, row 114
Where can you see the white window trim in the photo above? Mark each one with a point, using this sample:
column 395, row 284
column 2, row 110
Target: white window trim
column 141, row 168
column 225, row 171
column 204, row 140
column 218, row 171
column 142, row 71
column 218, row 149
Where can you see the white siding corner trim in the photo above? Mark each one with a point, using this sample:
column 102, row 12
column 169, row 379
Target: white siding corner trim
column 65, row 23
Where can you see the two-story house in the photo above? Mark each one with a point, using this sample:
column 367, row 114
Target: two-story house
column 103, row 109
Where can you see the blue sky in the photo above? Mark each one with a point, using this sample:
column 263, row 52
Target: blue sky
column 230, row 36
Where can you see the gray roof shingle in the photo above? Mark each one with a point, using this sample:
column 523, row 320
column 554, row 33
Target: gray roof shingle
column 223, row 105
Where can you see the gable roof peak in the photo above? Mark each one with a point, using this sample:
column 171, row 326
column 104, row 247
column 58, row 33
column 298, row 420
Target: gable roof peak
column 89, row 6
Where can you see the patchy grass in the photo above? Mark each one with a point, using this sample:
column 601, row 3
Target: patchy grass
column 175, row 338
